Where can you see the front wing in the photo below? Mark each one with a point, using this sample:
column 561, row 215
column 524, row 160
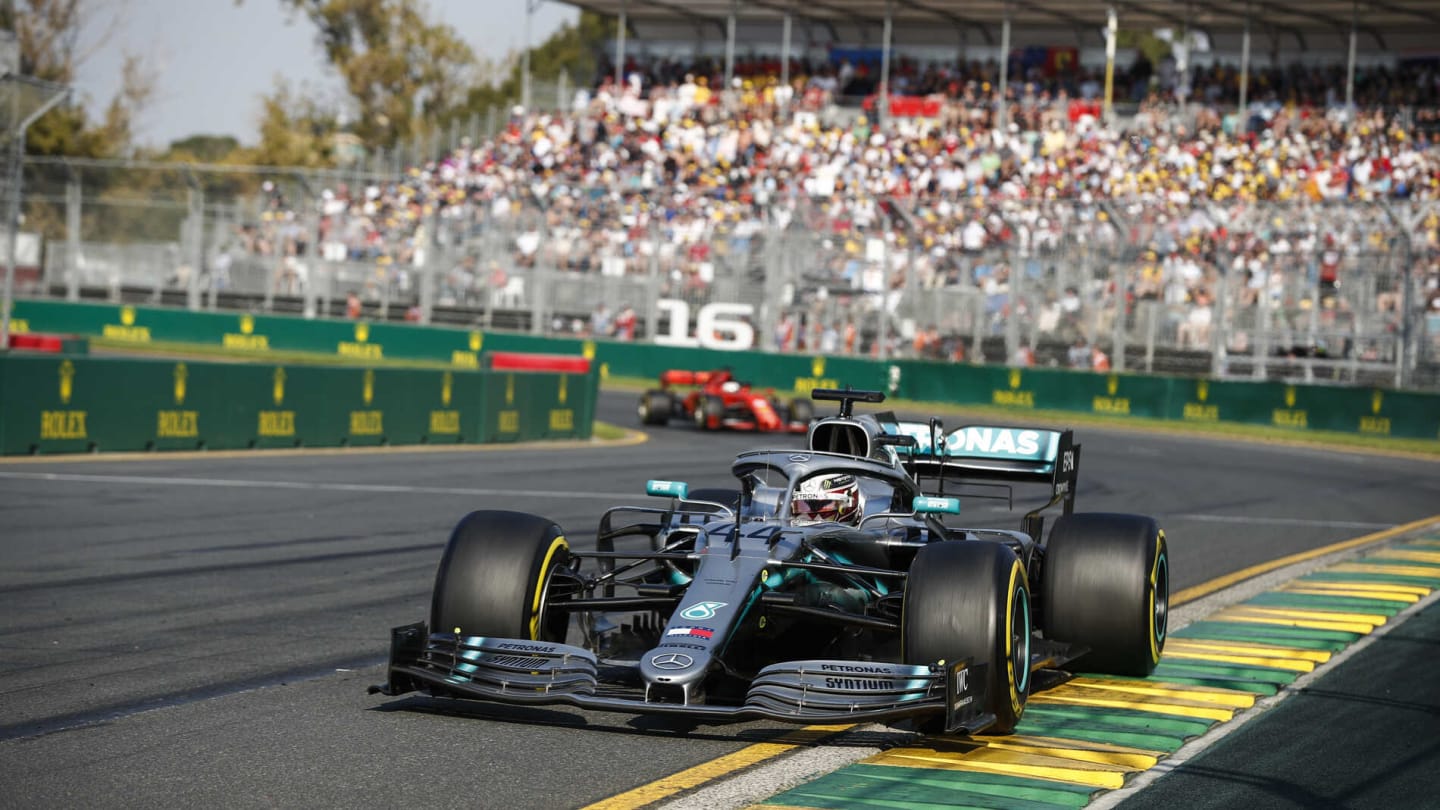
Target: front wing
column 526, row 672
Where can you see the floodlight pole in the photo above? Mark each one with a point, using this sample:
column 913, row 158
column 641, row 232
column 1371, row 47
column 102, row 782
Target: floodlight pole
column 13, row 211
column 1112, row 26
column 730, row 44
column 785, row 65
column 1350, row 66
column 882, row 105
column 620, row 47
column 1004, row 68
column 530, row 6
column 1244, row 115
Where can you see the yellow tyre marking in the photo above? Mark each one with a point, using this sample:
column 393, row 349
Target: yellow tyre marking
column 1154, row 577
column 555, row 546
column 1016, row 573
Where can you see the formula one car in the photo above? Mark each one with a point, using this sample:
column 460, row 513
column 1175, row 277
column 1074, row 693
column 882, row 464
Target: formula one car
column 828, row 587
column 715, row 399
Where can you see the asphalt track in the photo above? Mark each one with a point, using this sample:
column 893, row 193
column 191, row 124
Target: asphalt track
column 200, row 630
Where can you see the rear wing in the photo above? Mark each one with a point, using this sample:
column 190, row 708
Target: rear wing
column 990, row 453
column 676, row 376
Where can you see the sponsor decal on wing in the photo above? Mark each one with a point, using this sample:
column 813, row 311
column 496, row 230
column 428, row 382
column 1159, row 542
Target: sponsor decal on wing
column 691, row 632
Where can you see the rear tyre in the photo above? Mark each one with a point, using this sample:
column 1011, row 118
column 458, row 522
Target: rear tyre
column 708, row 412
column 655, row 407
column 970, row 599
column 1106, row 585
column 802, row 411
column 495, row 575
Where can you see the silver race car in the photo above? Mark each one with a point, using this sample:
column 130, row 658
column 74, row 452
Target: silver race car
column 828, row 585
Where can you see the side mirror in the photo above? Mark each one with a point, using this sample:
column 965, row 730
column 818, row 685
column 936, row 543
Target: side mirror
column 929, row 505
column 668, row 489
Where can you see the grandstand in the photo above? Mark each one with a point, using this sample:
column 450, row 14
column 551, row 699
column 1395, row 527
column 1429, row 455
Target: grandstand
column 1296, row 235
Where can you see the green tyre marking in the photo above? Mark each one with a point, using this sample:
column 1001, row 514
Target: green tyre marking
column 1126, row 719
column 1239, row 672
column 887, row 786
column 1360, row 576
column 1264, row 688
column 1332, row 640
column 1062, row 730
column 1281, row 599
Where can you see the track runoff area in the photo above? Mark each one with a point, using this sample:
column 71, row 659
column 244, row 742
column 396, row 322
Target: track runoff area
column 1238, row 645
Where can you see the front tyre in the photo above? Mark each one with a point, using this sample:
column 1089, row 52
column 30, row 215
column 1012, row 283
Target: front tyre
column 494, row 578
column 971, row 599
column 1106, row 585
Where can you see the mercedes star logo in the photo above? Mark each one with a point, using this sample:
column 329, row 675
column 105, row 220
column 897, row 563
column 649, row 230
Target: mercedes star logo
column 672, row 661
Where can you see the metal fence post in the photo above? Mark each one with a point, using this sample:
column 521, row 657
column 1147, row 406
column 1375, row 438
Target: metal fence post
column 195, row 245
column 73, row 203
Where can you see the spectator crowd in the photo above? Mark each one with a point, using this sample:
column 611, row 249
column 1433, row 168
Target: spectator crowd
column 679, row 173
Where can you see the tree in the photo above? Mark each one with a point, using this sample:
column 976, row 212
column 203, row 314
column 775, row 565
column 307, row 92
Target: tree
column 295, row 130
column 402, row 72
column 572, row 50
column 48, row 33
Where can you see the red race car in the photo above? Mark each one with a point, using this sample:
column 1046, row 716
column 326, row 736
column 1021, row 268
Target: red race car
column 711, row 400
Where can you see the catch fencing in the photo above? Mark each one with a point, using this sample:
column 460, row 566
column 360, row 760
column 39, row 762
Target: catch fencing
column 1298, row 291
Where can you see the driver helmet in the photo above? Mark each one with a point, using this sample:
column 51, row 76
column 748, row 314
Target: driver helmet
column 828, row 497
column 730, row 387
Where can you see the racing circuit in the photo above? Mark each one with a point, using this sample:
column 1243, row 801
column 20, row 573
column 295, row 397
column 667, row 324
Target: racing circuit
column 188, row 630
